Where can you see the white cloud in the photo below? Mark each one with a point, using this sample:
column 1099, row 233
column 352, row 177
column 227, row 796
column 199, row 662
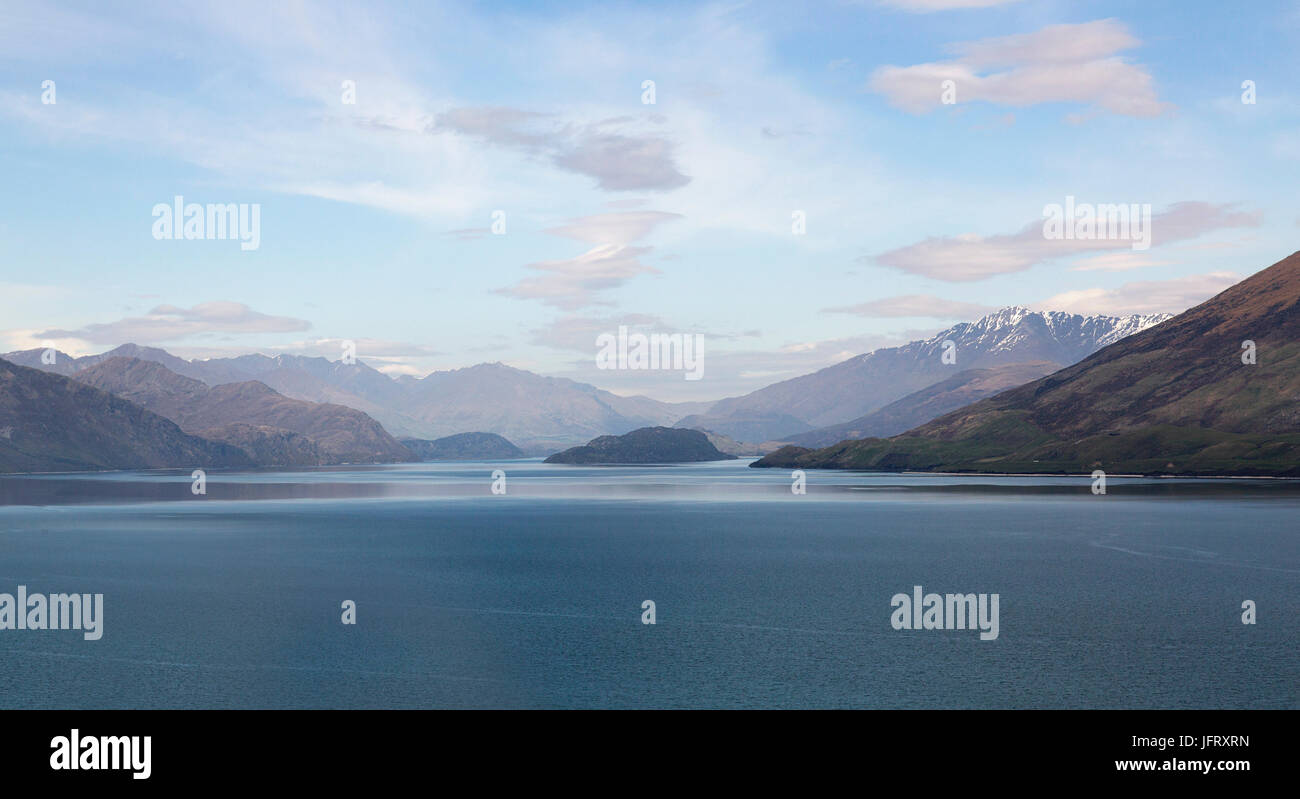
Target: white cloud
column 170, row 323
column 1059, row 63
column 618, row 158
column 574, row 283
column 1145, row 297
column 969, row 257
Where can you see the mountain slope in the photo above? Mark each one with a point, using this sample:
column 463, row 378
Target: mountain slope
column 1176, row 398
column 52, row 423
column 860, row 385
column 921, row 406
column 250, row 414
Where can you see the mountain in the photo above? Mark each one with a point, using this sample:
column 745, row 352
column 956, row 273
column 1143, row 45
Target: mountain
column 856, row 387
column 921, row 406
column 539, row 413
column 249, row 414
column 463, row 447
column 530, row 410
column 1175, row 399
column 730, row 446
column 647, row 445
column 49, row 422
column 269, row 446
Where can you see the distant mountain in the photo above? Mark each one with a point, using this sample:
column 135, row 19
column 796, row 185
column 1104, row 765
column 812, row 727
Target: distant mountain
column 647, row 445
column 49, row 422
column 730, row 446
column 921, row 406
column 538, row 413
column 856, row 387
column 463, row 447
column 249, row 414
column 530, row 410
column 1175, row 399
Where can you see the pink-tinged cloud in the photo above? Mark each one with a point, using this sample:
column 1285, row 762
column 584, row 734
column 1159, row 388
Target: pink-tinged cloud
column 1059, row 63
column 573, row 283
column 969, row 257
column 1143, row 297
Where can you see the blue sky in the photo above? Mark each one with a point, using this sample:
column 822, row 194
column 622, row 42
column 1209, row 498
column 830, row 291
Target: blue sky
column 672, row 217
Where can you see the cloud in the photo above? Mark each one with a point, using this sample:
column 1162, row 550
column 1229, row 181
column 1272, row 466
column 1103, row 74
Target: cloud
column 929, row 6
column 617, row 159
column 615, row 228
column 1145, row 297
column 969, row 257
column 169, row 323
column 915, row 305
column 1059, row 63
column 573, row 283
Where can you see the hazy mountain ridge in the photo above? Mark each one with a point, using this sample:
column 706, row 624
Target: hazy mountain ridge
column 538, row 413
column 250, row 413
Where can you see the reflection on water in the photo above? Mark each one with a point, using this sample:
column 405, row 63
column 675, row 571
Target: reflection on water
column 719, row 481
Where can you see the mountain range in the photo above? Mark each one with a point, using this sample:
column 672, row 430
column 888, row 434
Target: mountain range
column 293, row 410
column 858, row 386
column 272, row 428
column 540, row 414
column 51, row 423
column 1215, row 390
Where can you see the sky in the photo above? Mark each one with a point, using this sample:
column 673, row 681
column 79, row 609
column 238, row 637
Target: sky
column 446, row 184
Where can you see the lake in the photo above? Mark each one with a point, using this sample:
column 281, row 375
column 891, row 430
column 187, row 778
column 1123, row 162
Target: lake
column 762, row 598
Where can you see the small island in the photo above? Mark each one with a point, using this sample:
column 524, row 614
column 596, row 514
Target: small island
column 463, row 447
column 648, row 445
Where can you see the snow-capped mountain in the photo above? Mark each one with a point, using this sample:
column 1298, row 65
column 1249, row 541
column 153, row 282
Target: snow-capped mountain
column 1055, row 336
column 860, row 385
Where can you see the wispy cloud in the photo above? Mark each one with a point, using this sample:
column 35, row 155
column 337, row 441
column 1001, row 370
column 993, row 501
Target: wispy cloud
column 970, row 257
column 573, row 283
column 1059, row 63
column 170, row 323
column 1143, row 297
column 618, row 158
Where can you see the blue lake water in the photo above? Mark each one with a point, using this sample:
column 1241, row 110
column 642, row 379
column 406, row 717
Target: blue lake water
column 763, row 598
